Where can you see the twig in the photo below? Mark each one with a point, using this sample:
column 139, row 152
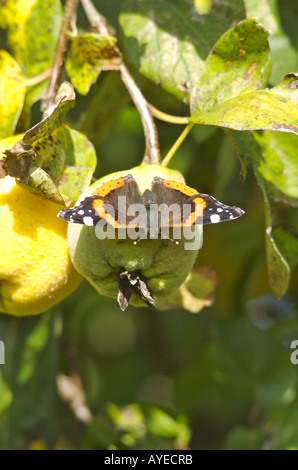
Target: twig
column 95, row 18
column 70, row 390
column 152, row 152
column 39, row 78
column 69, row 11
column 177, row 144
column 167, row 117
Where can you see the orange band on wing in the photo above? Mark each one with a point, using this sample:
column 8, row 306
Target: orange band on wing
column 106, row 188
column 180, row 187
column 97, row 205
column 200, row 205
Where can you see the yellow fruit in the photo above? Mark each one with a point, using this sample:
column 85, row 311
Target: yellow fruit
column 35, row 268
column 162, row 263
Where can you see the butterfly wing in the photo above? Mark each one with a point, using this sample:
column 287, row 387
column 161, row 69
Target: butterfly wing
column 189, row 206
column 104, row 204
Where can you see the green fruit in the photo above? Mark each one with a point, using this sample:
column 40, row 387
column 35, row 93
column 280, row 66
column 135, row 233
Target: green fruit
column 162, row 264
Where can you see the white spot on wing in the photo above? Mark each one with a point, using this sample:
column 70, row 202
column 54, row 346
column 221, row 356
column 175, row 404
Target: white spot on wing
column 88, row 221
column 219, row 209
column 215, row 218
column 81, row 212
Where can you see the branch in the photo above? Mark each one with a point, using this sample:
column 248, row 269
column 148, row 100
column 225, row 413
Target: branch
column 69, row 12
column 152, row 152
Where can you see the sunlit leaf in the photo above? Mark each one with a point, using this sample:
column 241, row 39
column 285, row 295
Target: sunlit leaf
column 195, row 293
column 277, row 163
column 79, row 167
column 238, row 63
column 169, row 41
column 203, row 7
column 12, row 94
column 264, row 12
column 33, row 30
column 5, row 395
column 269, row 13
column 87, row 56
column 52, row 160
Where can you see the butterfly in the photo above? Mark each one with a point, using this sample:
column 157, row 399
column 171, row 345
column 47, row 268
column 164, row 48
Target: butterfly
column 113, row 201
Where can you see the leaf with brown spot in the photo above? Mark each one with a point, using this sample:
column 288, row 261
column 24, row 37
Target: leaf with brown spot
column 88, row 55
column 169, row 41
column 52, row 160
column 229, row 92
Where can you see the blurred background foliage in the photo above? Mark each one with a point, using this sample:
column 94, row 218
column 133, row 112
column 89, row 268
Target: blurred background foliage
column 164, row 380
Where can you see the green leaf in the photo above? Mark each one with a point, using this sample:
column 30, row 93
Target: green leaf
column 251, row 111
column 87, row 56
column 52, row 160
column 264, row 12
column 79, row 165
column 12, row 94
column 278, row 267
column 97, row 119
column 288, row 244
column 168, row 41
column 270, row 14
column 288, row 11
column 288, row 88
column 33, row 29
column 228, row 92
column 5, row 395
column 244, row 438
column 203, row 7
column 282, row 256
column 195, row 293
column 284, row 57
column 283, row 429
column 28, row 380
column 277, row 163
column 271, row 169
column 238, row 63
column 161, row 423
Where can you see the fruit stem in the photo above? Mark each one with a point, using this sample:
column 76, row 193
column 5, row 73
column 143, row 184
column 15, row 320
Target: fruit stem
column 177, row 144
column 39, row 78
column 167, row 117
